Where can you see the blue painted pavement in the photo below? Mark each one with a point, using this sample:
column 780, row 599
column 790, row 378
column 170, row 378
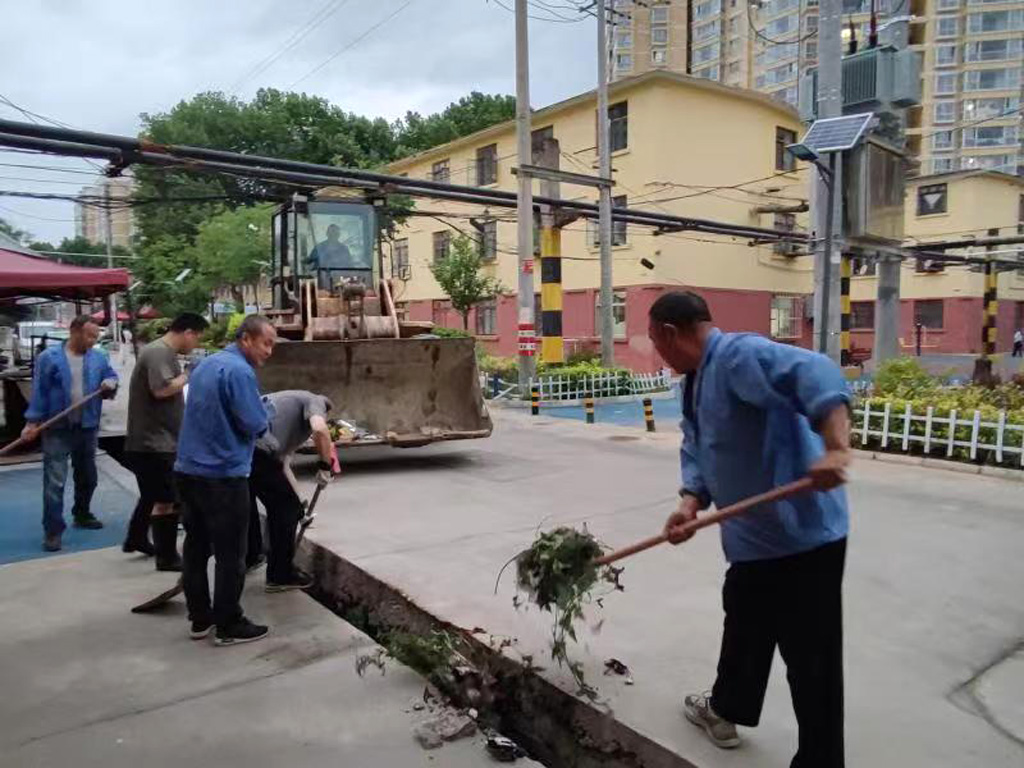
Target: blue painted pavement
column 21, row 530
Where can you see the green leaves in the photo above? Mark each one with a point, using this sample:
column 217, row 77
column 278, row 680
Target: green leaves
column 459, row 277
column 559, row 573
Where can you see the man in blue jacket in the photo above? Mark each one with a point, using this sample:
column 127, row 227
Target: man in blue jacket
column 758, row 414
column 64, row 375
column 224, row 415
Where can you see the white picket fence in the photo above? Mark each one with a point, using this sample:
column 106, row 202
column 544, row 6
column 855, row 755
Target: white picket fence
column 563, row 388
column 895, row 432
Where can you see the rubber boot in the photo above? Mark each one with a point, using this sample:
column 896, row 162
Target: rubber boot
column 137, row 538
column 165, row 541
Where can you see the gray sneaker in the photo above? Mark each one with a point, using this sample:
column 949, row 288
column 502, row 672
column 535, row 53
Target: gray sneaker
column 697, row 708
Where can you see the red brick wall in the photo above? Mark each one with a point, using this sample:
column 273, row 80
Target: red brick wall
column 732, row 310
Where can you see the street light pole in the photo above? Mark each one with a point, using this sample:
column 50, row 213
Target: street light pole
column 524, row 204
column 605, row 192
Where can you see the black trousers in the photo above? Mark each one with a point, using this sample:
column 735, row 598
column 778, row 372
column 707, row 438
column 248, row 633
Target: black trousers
column 215, row 512
column 794, row 603
column 269, row 484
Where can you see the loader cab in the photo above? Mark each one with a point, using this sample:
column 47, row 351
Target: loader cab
column 328, row 241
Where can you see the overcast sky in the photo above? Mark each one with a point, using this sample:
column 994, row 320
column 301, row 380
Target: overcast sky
column 97, row 64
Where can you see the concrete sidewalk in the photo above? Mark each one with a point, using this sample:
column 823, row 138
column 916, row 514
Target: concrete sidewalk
column 86, row 683
column 932, row 593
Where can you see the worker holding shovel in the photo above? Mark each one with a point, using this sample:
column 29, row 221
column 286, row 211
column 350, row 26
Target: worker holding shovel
column 757, row 415
column 71, row 375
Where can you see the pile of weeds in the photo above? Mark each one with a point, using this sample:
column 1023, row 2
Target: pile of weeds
column 559, row 574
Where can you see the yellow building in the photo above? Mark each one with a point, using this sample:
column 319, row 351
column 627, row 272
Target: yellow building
column 947, row 301
column 687, row 146
column 91, row 221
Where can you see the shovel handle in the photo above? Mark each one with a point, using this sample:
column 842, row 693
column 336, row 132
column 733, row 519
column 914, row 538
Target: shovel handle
column 51, row 421
column 776, row 494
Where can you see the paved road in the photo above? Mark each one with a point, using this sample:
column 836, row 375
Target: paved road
column 932, row 594
column 86, row 683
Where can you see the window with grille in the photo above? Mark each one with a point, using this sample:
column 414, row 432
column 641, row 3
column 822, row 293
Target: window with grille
column 659, row 35
column 441, row 171
column 659, row 56
column 945, row 55
column 623, row 61
column 947, row 26
column 945, row 111
column 928, row 312
column 659, row 14
column 786, row 317
column 784, row 161
column 487, row 165
column 945, row 83
column 487, row 318
column 618, row 314
column 400, row 259
column 862, row 315
column 442, row 245
column 618, row 130
column 489, row 241
column 619, row 227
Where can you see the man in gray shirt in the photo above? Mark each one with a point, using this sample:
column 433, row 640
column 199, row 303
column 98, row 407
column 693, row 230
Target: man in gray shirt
column 155, row 407
column 294, row 416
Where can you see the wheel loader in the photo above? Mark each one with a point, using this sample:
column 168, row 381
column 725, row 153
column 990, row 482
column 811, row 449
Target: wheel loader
column 391, row 380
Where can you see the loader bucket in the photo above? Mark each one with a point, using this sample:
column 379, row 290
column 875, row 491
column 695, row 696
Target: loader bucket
column 407, row 392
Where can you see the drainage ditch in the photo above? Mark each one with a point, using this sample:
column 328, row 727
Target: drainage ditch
column 552, row 725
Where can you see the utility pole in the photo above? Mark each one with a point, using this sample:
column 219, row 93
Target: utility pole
column 114, row 325
column 552, row 348
column 604, row 162
column 827, row 208
column 524, row 205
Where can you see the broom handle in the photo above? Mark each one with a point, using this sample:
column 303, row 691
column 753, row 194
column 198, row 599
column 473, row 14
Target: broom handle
column 776, row 494
column 51, row 421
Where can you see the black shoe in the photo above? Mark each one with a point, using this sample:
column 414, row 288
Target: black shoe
column 143, row 547
column 52, row 543
column 200, row 629
column 88, row 521
column 259, row 561
column 297, row 581
column 242, row 631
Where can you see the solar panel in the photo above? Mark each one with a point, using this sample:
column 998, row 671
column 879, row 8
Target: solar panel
column 834, row 134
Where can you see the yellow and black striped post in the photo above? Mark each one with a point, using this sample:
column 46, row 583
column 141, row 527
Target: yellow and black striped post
column 991, row 309
column 588, row 406
column 845, row 273
column 649, row 414
column 535, row 401
column 551, row 347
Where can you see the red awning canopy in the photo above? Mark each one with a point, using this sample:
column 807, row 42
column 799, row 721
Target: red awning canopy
column 146, row 313
column 24, row 275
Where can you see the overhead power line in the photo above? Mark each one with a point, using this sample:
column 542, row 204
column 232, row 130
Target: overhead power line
column 318, row 18
column 348, row 46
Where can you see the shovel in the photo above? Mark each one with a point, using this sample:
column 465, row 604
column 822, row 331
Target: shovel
column 51, row 421
column 169, row 594
column 776, row 494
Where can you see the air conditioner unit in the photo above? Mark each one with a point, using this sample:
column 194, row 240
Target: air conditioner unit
column 786, row 248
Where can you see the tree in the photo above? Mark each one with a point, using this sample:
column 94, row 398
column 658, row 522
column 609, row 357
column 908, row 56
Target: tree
column 71, row 250
column 459, row 276
column 17, row 235
column 161, row 261
column 230, row 247
column 468, row 115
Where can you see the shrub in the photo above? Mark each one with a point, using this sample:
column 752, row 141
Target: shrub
column 904, row 377
column 150, row 330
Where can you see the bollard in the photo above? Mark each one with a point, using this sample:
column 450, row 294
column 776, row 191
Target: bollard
column 535, row 401
column 649, row 414
column 588, row 405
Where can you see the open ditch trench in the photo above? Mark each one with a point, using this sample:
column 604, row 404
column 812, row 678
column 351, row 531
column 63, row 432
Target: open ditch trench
column 554, row 726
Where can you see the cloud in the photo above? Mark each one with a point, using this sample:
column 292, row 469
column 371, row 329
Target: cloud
column 97, row 65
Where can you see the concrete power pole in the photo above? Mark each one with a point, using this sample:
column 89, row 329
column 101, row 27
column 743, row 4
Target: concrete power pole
column 827, row 260
column 524, row 205
column 115, row 327
column 605, row 196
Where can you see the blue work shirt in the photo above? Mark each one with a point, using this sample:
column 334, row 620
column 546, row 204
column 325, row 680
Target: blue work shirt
column 747, row 416
column 51, row 385
column 224, row 415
